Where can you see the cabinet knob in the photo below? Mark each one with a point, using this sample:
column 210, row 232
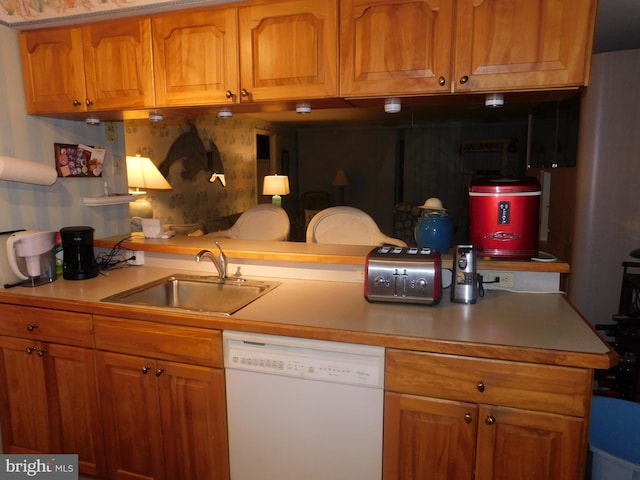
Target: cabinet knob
column 159, row 372
column 490, row 420
column 32, row 326
column 480, row 386
column 88, row 102
column 467, row 417
column 442, row 81
column 42, row 353
column 145, row 369
column 76, row 103
column 229, row 94
column 244, row 92
column 464, row 79
column 30, row 350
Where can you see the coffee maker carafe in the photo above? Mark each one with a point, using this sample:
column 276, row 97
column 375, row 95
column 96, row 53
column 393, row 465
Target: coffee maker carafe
column 78, row 259
column 32, row 256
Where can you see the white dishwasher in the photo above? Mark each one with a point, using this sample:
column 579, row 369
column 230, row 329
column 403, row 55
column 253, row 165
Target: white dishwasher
column 302, row 409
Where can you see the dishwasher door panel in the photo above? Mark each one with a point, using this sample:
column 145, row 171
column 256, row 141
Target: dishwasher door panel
column 287, row 428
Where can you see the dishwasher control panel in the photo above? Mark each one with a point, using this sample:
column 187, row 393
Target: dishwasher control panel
column 362, row 366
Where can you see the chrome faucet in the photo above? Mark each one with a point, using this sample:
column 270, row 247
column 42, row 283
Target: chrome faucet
column 221, row 265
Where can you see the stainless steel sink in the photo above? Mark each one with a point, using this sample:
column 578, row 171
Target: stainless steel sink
column 195, row 293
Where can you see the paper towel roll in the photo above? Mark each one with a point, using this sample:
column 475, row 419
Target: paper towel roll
column 18, row 170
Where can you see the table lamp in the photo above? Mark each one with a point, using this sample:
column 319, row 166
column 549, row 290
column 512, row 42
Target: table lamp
column 143, row 174
column 276, row 185
column 340, row 181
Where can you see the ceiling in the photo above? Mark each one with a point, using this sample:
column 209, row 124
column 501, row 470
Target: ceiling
column 617, row 26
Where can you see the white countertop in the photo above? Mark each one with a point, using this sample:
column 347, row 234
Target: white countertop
column 542, row 328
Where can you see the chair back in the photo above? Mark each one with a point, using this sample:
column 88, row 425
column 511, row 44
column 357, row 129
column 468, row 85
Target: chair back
column 310, row 204
column 262, row 222
column 347, row 226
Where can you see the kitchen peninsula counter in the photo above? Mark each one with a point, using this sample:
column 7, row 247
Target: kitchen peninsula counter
column 537, row 328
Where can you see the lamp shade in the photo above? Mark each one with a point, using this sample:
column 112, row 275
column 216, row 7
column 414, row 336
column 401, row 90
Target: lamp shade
column 142, row 173
column 340, row 180
column 275, row 185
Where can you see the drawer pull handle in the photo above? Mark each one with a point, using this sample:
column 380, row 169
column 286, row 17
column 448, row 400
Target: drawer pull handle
column 490, row 420
column 145, row 369
column 159, row 372
column 467, row 418
column 30, row 350
column 480, row 386
column 32, row 326
column 42, row 353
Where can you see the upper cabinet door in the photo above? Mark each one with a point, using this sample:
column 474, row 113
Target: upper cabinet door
column 395, row 47
column 288, row 50
column 118, row 64
column 523, row 44
column 53, row 72
column 196, row 57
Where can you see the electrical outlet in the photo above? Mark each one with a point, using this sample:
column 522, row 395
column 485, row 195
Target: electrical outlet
column 505, row 279
column 139, row 260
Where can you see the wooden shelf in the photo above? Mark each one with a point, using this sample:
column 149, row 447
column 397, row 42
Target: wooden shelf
column 108, row 200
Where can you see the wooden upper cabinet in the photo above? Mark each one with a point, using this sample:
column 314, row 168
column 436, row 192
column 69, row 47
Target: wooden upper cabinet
column 523, row 44
column 288, row 50
column 100, row 66
column 196, row 57
column 395, row 47
column 118, row 64
column 52, row 68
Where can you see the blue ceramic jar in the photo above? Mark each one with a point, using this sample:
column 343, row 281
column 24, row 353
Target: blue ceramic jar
column 434, row 230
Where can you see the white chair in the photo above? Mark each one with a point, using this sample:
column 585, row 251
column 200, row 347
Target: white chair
column 347, row 226
column 262, row 222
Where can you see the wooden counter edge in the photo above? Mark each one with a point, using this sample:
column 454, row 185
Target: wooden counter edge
column 305, row 253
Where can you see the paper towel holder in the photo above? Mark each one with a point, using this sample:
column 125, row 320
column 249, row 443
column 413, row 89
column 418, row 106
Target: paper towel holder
column 26, row 171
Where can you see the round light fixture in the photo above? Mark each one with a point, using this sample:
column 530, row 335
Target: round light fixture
column 225, row 113
column 493, row 100
column 392, row 105
column 303, row 108
column 92, row 121
column 156, row 117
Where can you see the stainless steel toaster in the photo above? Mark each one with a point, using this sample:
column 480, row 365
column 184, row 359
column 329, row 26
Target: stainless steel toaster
column 404, row 275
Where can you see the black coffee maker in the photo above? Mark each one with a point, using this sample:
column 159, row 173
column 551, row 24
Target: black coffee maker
column 78, row 261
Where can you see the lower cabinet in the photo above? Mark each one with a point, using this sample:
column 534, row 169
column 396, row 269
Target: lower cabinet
column 48, row 394
column 164, row 419
column 456, row 418
column 428, row 438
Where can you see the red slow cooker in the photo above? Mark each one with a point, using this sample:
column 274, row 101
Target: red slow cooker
column 503, row 216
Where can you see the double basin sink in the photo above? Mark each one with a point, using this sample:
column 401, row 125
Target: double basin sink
column 194, row 293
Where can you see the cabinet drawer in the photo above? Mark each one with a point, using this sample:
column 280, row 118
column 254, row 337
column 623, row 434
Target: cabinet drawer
column 497, row 382
column 158, row 340
column 46, row 325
